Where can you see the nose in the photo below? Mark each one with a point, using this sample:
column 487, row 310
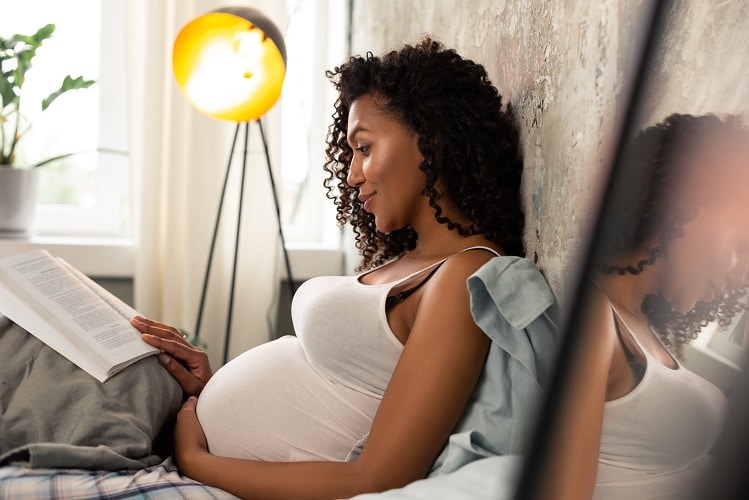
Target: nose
column 355, row 177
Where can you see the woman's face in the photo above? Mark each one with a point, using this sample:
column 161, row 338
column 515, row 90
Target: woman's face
column 713, row 252
column 385, row 166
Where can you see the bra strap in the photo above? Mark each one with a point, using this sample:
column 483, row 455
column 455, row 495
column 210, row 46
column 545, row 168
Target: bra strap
column 399, row 297
column 633, row 360
column 392, row 300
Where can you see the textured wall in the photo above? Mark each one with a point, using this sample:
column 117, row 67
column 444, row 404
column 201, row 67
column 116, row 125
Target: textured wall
column 702, row 66
column 565, row 67
column 562, row 65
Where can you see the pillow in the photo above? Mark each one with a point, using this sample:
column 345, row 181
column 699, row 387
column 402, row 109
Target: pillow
column 55, row 415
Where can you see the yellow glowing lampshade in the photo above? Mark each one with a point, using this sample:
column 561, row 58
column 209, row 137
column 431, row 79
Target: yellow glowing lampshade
column 230, row 63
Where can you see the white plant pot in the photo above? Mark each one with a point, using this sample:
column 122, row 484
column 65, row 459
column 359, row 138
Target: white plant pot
column 18, row 196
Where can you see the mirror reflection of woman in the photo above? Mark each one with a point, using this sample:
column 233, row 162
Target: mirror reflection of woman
column 638, row 424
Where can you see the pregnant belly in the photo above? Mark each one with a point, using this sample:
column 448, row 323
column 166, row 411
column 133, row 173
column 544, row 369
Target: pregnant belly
column 270, row 404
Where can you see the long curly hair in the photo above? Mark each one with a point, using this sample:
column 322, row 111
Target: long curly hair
column 658, row 159
column 468, row 142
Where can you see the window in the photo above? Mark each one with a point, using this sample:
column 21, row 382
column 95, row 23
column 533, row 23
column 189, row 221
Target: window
column 717, row 354
column 315, row 41
column 86, row 194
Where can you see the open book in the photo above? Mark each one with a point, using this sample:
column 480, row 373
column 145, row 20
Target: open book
column 71, row 313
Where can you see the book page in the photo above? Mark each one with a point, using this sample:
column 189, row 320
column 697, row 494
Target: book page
column 72, row 310
column 114, row 302
column 18, row 310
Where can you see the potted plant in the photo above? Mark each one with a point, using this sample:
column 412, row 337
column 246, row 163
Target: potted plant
column 18, row 183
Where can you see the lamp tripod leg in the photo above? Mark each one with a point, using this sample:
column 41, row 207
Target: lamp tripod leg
column 201, row 307
column 232, row 286
column 292, row 286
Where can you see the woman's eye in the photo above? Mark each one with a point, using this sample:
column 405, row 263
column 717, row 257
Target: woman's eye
column 363, row 149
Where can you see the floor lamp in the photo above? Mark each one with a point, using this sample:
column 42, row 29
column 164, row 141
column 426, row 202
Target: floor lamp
column 230, row 64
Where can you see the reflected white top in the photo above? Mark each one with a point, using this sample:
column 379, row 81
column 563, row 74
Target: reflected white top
column 655, row 439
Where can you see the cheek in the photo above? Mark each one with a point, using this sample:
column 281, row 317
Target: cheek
column 695, row 265
column 691, row 252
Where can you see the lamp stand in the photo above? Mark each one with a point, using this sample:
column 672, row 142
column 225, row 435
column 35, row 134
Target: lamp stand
column 292, row 287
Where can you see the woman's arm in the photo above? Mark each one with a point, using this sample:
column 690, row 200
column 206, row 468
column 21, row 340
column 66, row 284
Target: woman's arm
column 432, row 383
column 571, row 460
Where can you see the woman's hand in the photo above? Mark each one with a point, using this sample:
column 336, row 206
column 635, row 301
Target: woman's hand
column 185, row 362
column 189, row 439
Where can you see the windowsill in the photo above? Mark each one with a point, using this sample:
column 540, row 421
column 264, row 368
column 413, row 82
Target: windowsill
column 98, row 257
column 313, row 259
column 115, row 257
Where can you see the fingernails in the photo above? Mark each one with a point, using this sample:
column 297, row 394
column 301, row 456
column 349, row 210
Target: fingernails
column 164, row 359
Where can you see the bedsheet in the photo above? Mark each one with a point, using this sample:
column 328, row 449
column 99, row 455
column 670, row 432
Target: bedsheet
column 490, row 478
column 158, row 482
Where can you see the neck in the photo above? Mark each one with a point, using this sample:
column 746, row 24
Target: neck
column 626, row 292
column 435, row 240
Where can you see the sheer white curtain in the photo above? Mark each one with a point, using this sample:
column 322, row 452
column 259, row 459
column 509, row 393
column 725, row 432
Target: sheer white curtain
column 178, row 160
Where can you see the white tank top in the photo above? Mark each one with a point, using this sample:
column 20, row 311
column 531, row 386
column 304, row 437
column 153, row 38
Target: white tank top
column 655, row 439
column 313, row 396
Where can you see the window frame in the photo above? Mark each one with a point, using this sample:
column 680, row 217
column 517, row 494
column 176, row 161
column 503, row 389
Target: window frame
column 109, row 214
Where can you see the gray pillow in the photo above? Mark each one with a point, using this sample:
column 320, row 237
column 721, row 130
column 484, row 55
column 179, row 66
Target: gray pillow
column 53, row 414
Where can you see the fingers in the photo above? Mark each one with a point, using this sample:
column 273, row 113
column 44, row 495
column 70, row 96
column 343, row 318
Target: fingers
column 157, row 329
column 191, row 404
column 189, row 438
column 191, row 384
column 183, row 351
column 188, row 364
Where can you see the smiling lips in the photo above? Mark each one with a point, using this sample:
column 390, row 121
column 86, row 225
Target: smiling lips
column 366, row 199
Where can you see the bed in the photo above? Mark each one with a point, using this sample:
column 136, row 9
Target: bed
column 118, row 434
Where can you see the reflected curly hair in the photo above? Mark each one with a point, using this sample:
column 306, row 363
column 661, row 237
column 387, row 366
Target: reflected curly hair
column 659, row 158
column 470, row 146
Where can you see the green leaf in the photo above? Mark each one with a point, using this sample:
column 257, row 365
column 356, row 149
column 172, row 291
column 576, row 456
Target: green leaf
column 7, row 95
column 67, row 84
column 24, row 49
column 35, row 40
column 43, row 33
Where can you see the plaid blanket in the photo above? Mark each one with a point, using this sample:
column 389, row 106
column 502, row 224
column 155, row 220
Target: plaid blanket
column 158, row 482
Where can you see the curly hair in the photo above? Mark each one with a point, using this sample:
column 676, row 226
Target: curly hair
column 675, row 329
column 468, row 142
column 658, row 158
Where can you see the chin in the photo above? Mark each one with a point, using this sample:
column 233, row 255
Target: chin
column 685, row 305
column 682, row 304
column 387, row 228
column 684, row 298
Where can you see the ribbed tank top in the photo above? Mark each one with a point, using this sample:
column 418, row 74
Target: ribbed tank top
column 313, row 396
column 655, row 438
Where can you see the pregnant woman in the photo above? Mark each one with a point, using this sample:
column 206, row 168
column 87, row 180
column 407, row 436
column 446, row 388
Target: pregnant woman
column 425, row 164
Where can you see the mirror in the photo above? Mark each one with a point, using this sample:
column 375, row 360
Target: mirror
column 661, row 293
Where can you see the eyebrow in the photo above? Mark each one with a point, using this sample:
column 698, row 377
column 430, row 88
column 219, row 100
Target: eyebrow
column 352, row 133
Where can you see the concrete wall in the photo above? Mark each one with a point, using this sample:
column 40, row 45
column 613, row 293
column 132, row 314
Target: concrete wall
column 565, row 67
column 702, row 65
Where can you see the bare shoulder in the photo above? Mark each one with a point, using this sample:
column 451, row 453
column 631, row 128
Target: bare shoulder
column 448, row 288
column 449, row 282
column 466, row 263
